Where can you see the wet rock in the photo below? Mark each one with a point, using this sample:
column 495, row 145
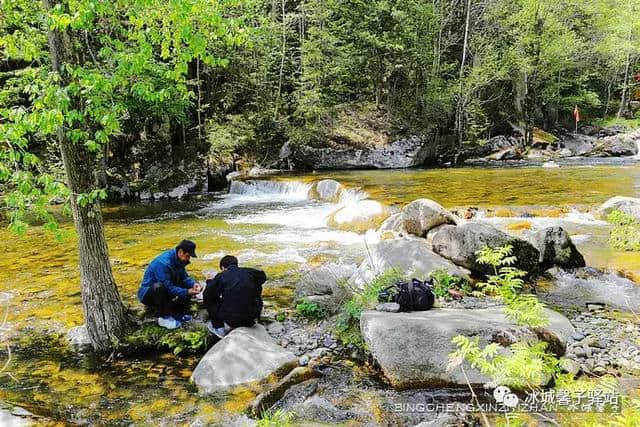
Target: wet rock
column 324, row 286
column 422, row 215
column 392, row 227
column 628, row 205
column 460, row 244
column 586, row 285
column 403, row 153
column 569, row 366
column 78, row 338
column 182, row 190
column 267, row 399
column 398, row 341
column 556, row 248
column 245, row 356
column 145, row 195
column 326, row 190
column 318, row 409
column 359, row 216
column 443, row 420
column 410, row 255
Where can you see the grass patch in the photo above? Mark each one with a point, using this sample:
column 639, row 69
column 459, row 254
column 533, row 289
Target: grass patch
column 278, row 418
column 443, row 281
column 348, row 320
column 310, row 310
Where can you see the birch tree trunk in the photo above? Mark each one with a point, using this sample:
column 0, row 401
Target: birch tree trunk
column 104, row 312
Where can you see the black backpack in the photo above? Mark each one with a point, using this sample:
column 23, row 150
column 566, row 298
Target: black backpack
column 415, row 295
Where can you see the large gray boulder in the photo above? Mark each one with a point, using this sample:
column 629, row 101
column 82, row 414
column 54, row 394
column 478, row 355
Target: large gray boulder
column 422, row 215
column 556, row 248
column 413, row 348
column 402, row 153
column 324, row 285
column 628, row 205
column 578, row 144
column 392, row 227
column 410, row 255
column 327, row 190
column 460, row 244
column 624, row 144
column 245, row 357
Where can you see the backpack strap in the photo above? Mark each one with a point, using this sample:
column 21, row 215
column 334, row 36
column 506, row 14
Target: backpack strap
column 410, row 289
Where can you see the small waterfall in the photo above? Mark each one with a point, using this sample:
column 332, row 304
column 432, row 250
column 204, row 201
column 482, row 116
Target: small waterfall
column 637, row 155
column 351, row 196
column 265, row 187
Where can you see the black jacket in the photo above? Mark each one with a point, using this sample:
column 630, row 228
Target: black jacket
column 237, row 293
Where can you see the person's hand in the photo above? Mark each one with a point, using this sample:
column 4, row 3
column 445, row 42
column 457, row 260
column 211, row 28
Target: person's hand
column 193, row 291
column 197, row 287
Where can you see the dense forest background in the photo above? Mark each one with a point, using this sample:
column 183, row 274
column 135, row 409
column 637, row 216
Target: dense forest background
column 179, row 86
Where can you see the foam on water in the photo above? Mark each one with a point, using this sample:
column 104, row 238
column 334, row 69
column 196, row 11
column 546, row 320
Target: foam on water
column 572, row 217
column 288, row 254
column 305, row 217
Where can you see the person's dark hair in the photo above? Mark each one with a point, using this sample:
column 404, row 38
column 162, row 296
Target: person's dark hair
column 187, row 246
column 228, row 260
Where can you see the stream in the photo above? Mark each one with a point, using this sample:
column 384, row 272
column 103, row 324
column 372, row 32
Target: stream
column 271, row 224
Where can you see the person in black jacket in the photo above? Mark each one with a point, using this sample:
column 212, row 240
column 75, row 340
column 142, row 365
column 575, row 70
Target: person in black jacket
column 233, row 297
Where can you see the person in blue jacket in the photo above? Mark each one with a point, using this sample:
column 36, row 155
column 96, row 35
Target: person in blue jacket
column 166, row 286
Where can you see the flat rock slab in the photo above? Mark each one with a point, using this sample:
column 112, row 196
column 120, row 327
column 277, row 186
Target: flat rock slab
column 245, row 357
column 576, row 289
column 413, row 348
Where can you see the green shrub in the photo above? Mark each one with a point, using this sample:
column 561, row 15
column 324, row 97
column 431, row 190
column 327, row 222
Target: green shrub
column 348, row 319
column 310, row 310
column 278, row 418
column 151, row 336
column 529, row 365
column 443, row 281
column 625, row 234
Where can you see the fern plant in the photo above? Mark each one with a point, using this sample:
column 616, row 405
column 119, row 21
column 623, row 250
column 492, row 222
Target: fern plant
column 506, row 283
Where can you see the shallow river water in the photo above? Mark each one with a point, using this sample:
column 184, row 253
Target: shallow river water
column 272, row 225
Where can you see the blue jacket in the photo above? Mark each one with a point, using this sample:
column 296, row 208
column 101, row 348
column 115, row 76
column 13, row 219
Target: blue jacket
column 167, row 269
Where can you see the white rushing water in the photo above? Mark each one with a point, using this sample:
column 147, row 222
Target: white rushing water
column 292, row 221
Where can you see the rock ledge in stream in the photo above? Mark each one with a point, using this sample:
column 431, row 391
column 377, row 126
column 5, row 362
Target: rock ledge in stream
column 413, row 348
column 245, row 357
column 403, row 153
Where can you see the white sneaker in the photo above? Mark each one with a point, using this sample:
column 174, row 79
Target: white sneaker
column 169, row 322
column 219, row 332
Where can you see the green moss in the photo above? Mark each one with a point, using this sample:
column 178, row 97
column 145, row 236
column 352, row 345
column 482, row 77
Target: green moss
column 625, row 234
column 194, row 339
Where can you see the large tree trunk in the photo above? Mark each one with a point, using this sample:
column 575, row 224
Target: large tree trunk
column 104, row 312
